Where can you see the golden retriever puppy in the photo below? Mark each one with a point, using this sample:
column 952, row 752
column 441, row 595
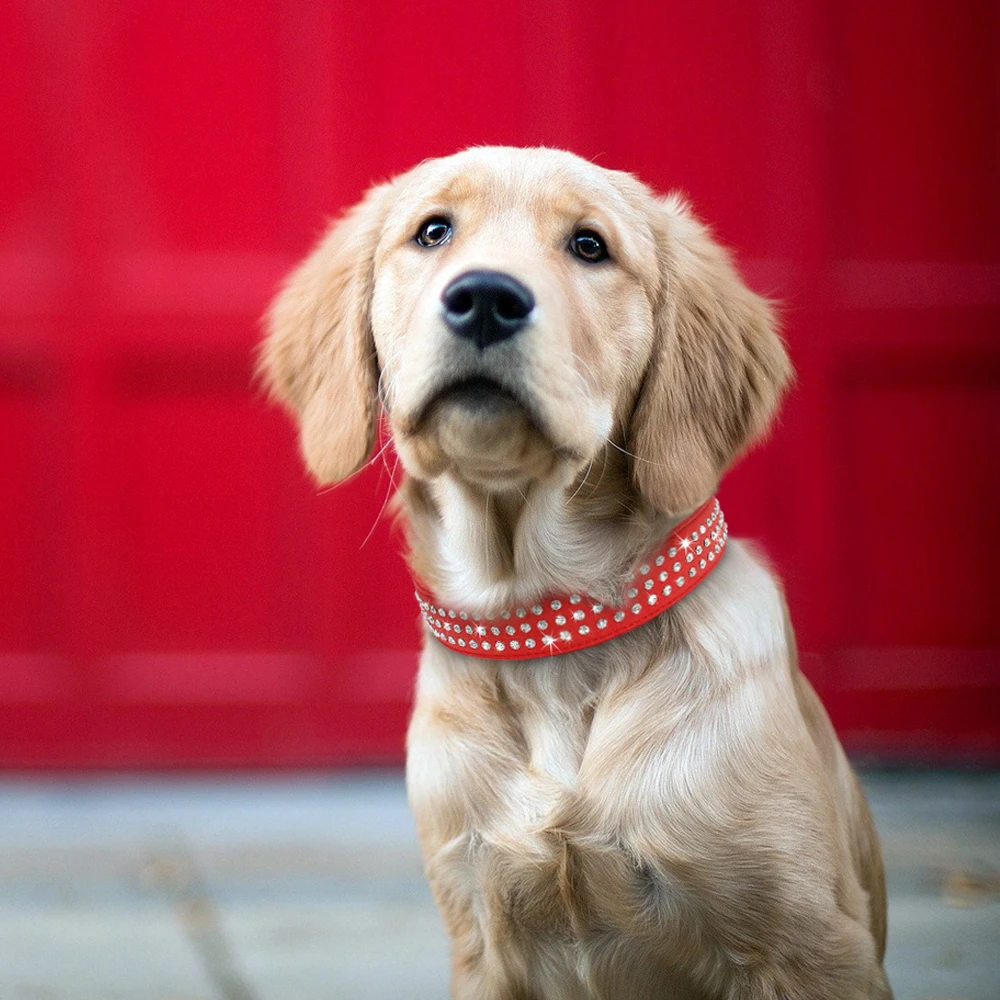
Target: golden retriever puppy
column 624, row 787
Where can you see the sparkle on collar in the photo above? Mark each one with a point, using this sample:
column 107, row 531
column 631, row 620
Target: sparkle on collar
column 563, row 623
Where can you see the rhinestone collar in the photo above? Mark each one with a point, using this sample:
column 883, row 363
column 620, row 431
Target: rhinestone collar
column 563, row 623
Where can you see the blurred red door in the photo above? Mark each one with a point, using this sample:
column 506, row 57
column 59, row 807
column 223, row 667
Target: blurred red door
column 167, row 573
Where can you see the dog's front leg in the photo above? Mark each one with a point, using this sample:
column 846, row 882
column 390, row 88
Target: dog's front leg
column 483, row 966
column 490, row 958
column 475, row 977
column 841, row 965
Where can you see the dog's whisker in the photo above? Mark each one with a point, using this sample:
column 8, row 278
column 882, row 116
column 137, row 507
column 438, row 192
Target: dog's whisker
column 600, row 478
column 385, row 463
column 381, row 452
column 582, row 482
column 637, row 458
column 586, row 364
column 390, row 489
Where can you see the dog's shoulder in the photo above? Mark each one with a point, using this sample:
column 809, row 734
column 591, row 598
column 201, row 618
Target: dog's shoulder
column 736, row 621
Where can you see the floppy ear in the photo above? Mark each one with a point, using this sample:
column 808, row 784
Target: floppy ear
column 318, row 358
column 717, row 370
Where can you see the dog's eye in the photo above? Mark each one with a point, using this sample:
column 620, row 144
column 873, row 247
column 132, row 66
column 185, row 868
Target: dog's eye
column 434, row 232
column 588, row 246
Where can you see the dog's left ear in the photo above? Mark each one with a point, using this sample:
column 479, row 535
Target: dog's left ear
column 318, row 358
column 716, row 373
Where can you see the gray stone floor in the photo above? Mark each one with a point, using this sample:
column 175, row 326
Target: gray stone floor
column 310, row 889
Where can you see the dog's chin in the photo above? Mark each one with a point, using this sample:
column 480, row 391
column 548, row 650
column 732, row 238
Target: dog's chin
column 482, row 434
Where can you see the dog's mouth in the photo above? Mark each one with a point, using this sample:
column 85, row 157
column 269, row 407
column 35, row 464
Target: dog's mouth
column 486, row 431
column 480, row 395
column 478, row 400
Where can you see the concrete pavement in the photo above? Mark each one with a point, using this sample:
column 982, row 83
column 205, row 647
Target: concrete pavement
column 309, row 888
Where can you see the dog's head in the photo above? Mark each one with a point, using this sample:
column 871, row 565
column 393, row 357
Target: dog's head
column 513, row 310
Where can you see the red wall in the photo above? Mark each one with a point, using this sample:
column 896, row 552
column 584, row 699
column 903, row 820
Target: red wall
column 168, row 576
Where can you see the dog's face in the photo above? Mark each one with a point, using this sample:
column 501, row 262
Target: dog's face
column 513, row 310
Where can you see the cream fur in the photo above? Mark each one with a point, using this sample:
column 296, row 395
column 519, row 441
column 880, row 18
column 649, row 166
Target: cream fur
column 665, row 815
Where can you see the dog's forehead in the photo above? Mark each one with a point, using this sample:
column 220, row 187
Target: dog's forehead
column 546, row 189
column 499, row 178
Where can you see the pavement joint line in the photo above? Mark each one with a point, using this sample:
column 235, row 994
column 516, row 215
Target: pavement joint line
column 173, row 871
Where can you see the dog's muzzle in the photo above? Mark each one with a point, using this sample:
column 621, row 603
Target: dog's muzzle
column 486, row 307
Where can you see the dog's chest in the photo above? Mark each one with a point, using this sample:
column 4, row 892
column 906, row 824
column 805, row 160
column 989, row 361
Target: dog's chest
column 524, row 854
column 520, row 856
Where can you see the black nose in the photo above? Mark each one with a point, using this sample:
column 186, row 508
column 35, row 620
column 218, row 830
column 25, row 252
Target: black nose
column 486, row 306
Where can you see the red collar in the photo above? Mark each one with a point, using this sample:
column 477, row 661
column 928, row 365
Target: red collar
column 563, row 623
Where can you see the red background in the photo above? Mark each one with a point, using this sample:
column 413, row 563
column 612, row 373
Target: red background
column 168, row 574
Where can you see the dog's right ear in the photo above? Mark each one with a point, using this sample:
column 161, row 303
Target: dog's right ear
column 318, row 357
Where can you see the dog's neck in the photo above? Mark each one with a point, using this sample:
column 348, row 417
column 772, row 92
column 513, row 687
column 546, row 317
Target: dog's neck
column 483, row 550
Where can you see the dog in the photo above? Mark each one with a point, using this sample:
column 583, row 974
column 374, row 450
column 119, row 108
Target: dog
column 624, row 788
